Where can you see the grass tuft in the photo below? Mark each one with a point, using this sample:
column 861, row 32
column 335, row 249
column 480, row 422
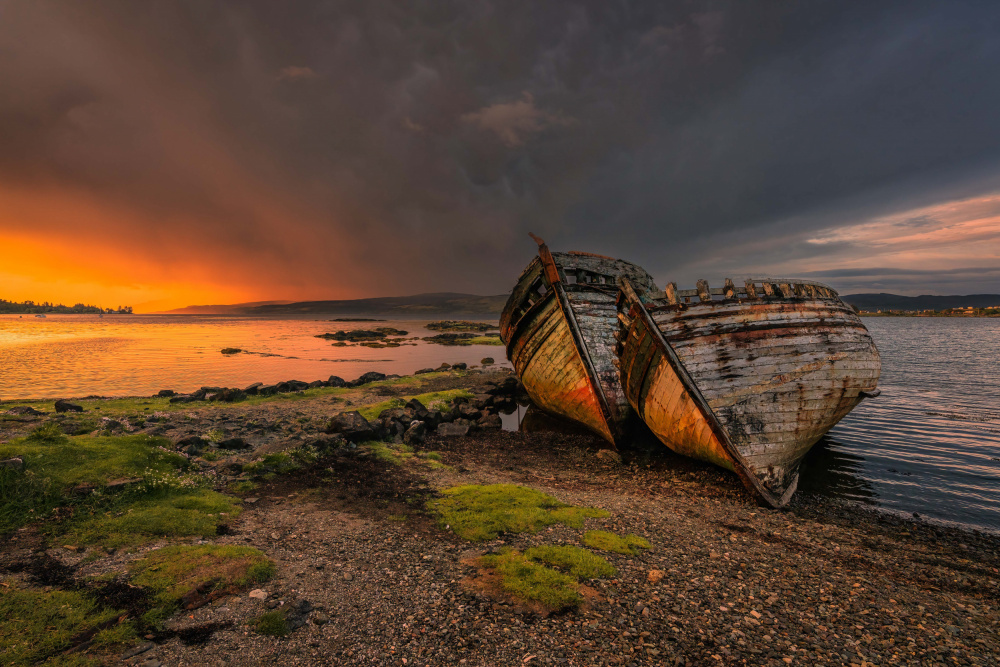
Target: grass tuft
column 272, row 624
column 38, row 625
column 575, row 561
column 605, row 541
column 478, row 513
column 176, row 573
column 530, row 581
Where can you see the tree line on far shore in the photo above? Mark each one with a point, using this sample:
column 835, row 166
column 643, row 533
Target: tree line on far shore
column 32, row 308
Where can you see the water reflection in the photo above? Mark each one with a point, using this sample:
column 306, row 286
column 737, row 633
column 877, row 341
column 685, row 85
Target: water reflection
column 831, row 470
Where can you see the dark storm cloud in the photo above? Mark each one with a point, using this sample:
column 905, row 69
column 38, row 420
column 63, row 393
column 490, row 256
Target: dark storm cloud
column 407, row 146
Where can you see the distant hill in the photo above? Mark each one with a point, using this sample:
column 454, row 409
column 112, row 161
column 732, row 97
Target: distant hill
column 416, row 306
column 220, row 309
column 883, row 301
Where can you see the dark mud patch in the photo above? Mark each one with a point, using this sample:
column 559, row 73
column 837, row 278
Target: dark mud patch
column 355, row 482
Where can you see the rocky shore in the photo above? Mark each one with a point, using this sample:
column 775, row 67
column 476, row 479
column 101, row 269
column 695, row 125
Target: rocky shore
column 366, row 574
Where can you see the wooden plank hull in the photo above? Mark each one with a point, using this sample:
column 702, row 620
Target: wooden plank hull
column 559, row 326
column 749, row 382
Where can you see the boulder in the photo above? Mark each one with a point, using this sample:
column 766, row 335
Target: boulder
column 192, row 445
column 443, row 367
column 183, row 398
column 234, row 443
column 229, row 395
column 433, row 419
column 26, row 410
column 66, row 406
column 253, row 389
column 16, row 463
column 458, row 400
column 166, row 393
column 335, row 381
column 491, row 422
column 424, row 370
column 509, row 387
column 415, row 434
column 416, row 405
column 487, row 361
column 392, row 413
column 470, row 412
column 352, row 426
column 317, row 384
column 459, row 366
column 371, row 376
column 453, row 430
column 268, row 390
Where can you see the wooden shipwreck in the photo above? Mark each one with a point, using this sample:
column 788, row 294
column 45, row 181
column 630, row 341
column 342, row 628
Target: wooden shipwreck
column 747, row 377
column 559, row 326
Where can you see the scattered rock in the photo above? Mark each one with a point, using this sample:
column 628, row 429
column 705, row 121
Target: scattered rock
column 487, row 361
column 453, row 430
column 66, row 406
column 298, row 613
column 371, row 376
column 26, row 410
column 166, row 393
column 319, row 618
column 257, row 594
column 415, row 434
column 352, row 426
column 490, row 422
column 191, row 445
column 234, row 443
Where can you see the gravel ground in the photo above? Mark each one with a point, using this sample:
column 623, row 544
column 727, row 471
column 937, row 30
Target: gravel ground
column 726, row 582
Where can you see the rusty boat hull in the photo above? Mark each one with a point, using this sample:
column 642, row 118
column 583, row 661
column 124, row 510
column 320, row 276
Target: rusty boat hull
column 559, row 327
column 748, row 378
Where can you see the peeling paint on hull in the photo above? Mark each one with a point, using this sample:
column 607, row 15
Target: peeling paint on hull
column 559, row 327
column 749, row 381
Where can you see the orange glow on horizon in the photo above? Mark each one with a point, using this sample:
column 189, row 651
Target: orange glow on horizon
column 65, row 247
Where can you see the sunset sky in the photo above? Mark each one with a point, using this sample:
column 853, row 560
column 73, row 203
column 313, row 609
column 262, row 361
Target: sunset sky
column 161, row 154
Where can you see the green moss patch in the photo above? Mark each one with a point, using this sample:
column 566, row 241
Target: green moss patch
column 485, row 340
column 605, row 541
column 197, row 513
column 528, row 580
column 575, row 561
column 113, row 491
column 38, row 625
column 480, row 513
column 60, row 470
column 184, row 575
column 272, row 624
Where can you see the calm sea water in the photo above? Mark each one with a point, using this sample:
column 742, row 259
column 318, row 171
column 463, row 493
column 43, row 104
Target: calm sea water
column 929, row 444
column 80, row 355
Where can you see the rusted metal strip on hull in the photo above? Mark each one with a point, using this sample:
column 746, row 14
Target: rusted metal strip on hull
column 672, row 405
